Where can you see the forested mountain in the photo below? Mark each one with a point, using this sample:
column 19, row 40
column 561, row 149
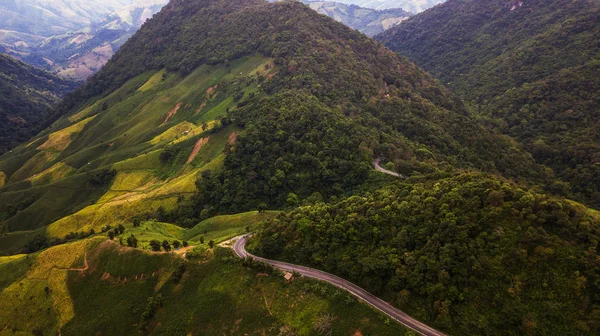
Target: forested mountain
column 81, row 52
column 470, row 254
column 529, row 67
column 308, row 104
column 368, row 21
column 27, row 98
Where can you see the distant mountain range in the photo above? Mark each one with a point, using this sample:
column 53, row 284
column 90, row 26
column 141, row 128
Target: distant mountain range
column 81, row 51
column 413, row 6
column 366, row 20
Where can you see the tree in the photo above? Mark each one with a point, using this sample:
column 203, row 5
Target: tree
column 262, row 207
column 176, row 244
column 292, row 199
column 211, row 243
column 132, row 241
column 111, row 235
column 155, row 245
column 137, row 221
column 185, row 243
column 202, row 240
column 121, row 229
column 166, row 246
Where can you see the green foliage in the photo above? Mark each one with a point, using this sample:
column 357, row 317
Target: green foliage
column 27, row 100
column 530, row 71
column 468, row 254
column 102, row 178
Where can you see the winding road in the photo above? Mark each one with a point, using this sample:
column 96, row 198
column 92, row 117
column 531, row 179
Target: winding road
column 240, row 249
column 385, row 171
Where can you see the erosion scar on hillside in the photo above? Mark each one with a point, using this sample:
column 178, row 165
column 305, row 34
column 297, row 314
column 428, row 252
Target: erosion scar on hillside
column 197, row 147
column 171, row 113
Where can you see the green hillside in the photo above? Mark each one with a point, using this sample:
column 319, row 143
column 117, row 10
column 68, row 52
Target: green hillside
column 27, row 98
column 529, row 69
column 75, row 289
column 470, row 255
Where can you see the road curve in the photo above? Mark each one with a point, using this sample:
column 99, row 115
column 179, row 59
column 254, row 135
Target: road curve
column 240, row 250
column 385, row 171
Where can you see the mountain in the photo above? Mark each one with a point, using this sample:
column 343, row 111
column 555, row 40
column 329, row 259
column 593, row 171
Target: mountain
column 27, row 100
column 529, row 67
column 468, row 255
column 80, row 53
column 368, row 21
column 412, row 6
column 40, row 18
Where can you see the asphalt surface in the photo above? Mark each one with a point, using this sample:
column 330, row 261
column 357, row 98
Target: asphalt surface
column 385, row 171
column 240, row 249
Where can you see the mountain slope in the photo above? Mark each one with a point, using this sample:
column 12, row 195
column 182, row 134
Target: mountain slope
column 529, row 66
column 470, row 255
column 368, row 21
column 203, row 88
column 27, row 98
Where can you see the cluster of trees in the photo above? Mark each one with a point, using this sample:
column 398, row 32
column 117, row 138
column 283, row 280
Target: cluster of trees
column 469, row 254
column 517, row 67
column 113, row 232
column 166, row 245
column 102, row 178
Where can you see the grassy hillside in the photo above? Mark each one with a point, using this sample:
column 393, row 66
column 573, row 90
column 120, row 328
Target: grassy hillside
column 132, row 152
column 27, row 98
column 529, row 68
column 75, row 289
column 468, row 254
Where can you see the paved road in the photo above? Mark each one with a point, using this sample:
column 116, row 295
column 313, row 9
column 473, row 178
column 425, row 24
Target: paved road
column 240, row 249
column 385, row 171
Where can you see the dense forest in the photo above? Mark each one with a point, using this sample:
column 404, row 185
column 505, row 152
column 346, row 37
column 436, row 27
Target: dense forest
column 27, row 97
column 528, row 68
column 469, row 254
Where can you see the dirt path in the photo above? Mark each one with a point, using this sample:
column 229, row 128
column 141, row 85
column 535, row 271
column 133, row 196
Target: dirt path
column 82, row 269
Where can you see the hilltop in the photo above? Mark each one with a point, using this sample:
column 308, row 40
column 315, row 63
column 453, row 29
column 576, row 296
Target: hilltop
column 528, row 67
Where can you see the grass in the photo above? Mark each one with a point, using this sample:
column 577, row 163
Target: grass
column 52, row 174
column 153, row 81
column 59, row 140
column 216, row 296
column 221, row 228
column 174, row 132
